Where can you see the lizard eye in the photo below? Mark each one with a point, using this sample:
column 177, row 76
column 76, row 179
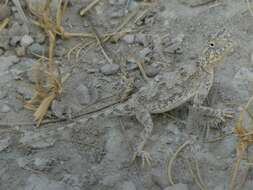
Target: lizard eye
column 211, row 44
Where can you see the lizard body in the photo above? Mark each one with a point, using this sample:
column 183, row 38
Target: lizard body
column 170, row 90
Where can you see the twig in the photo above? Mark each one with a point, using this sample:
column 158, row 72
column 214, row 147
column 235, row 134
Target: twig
column 249, row 7
column 4, row 23
column 99, row 41
column 140, row 63
column 194, row 176
column 199, row 176
column 86, row 9
column 202, row 3
column 173, row 159
column 21, row 13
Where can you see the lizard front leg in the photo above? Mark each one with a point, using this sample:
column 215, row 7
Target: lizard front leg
column 200, row 97
column 144, row 117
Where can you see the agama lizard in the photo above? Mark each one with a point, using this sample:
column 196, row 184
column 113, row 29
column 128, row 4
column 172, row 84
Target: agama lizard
column 170, row 90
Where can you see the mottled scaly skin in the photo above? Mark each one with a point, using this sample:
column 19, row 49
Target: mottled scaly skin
column 170, row 90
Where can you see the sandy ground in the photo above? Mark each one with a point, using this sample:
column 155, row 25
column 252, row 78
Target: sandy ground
column 95, row 152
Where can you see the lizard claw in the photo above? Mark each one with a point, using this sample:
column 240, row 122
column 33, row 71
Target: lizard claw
column 145, row 157
column 226, row 114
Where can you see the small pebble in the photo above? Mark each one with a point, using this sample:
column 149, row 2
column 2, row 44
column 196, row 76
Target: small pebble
column 83, row 94
column 128, row 185
column 109, row 69
column 14, row 41
column 40, row 38
column 26, row 40
column 151, row 71
column 36, row 49
column 4, row 108
column 179, row 186
column 20, row 51
column 5, row 12
column 144, row 52
column 129, row 38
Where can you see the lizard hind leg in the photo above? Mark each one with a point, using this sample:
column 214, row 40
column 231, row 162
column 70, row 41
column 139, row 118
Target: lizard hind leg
column 144, row 117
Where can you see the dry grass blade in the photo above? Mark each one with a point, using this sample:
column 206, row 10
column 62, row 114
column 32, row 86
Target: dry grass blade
column 21, row 13
column 245, row 138
column 4, row 24
column 86, row 9
column 173, row 158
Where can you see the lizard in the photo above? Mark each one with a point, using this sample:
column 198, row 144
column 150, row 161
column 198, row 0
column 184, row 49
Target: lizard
column 170, row 90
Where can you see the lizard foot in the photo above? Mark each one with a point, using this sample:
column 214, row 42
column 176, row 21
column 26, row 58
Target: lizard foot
column 145, row 157
column 225, row 114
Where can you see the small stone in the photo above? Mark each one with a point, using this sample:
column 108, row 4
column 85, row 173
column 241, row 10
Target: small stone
column 151, row 71
column 141, row 39
column 58, row 109
column 14, row 41
column 26, row 40
column 3, row 92
column 39, row 139
column 20, row 51
column 36, row 49
column 159, row 179
column 83, row 94
column 4, row 108
column 4, row 143
column 40, row 38
column 178, row 186
column 42, row 164
column 128, row 185
column 144, row 52
column 109, row 69
column 26, row 92
column 5, row 12
column 129, row 38
column 21, row 69
column 131, row 64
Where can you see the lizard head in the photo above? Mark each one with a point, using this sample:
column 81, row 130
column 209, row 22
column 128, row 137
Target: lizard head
column 218, row 46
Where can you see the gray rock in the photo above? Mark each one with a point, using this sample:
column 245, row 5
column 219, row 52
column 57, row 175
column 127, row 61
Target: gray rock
column 128, row 185
column 109, row 69
column 4, row 108
column 20, row 51
column 6, row 62
column 25, row 91
column 58, row 109
column 3, row 92
column 21, row 69
column 42, row 164
column 38, row 139
column 178, row 186
column 26, row 40
column 5, row 12
column 40, row 38
column 129, row 38
column 151, row 71
column 144, row 52
column 36, row 49
column 141, row 39
column 15, row 40
column 131, row 64
column 4, row 143
column 83, row 94
column 159, row 179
